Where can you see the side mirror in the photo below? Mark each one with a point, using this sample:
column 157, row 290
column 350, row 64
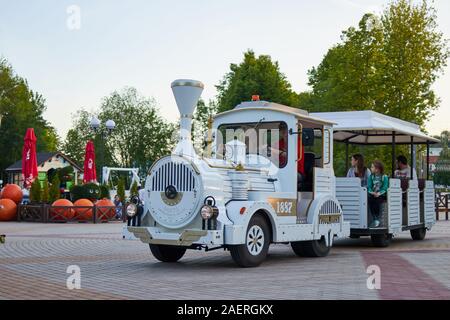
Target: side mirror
column 308, row 137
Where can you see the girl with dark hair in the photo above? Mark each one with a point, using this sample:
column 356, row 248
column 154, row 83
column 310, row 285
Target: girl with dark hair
column 359, row 170
column 378, row 185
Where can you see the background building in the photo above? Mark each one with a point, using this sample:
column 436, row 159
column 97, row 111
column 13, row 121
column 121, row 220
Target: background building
column 46, row 161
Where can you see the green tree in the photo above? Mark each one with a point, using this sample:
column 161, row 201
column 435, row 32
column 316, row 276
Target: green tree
column 134, row 189
column 105, row 192
column 121, row 190
column 442, row 171
column 200, row 124
column 254, row 76
column 388, row 64
column 21, row 108
column 45, row 192
column 36, row 191
column 141, row 135
column 54, row 192
column 348, row 76
column 77, row 137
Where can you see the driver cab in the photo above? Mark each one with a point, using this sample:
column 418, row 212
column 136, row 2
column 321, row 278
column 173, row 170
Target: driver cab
column 311, row 147
column 293, row 147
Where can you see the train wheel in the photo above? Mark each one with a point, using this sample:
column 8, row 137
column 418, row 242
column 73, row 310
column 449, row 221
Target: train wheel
column 166, row 253
column 315, row 249
column 381, row 240
column 418, row 234
column 257, row 241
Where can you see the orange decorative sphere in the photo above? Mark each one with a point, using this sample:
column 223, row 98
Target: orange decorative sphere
column 8, row 210
column 61, row 214
column 105, row 209
column 12, row 192
column 83, row 214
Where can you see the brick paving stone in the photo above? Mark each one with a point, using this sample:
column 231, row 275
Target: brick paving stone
column 35, row 257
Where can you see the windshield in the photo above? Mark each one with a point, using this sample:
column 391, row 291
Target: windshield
column 267, row 139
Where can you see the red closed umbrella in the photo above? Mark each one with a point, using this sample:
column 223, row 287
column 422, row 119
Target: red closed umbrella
column 90, row 173
column 29, row 160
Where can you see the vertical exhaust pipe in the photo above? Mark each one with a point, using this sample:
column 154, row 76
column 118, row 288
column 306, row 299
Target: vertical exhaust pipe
column 187, row 93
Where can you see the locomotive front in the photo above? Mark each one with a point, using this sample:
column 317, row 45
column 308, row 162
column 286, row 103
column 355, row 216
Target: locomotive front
column 184, row 196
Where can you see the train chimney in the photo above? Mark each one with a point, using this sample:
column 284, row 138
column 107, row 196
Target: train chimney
column 187, row 93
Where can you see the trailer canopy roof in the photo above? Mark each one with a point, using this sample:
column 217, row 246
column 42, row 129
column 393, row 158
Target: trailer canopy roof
column 369, row 127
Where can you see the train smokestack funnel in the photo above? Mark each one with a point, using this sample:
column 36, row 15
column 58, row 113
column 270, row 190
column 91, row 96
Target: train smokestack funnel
column 187, row 93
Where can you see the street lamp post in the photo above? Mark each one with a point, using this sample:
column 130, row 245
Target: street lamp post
column 103, row 133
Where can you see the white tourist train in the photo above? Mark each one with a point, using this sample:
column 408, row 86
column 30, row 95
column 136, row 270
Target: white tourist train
column 266, row 177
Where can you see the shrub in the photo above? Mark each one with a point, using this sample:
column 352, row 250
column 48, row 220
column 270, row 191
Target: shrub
column 45, row 197
column 55, row 192
column 104, row 192
column 89, row 191
column 121, row 190
column 134, row 189
column 35, row 191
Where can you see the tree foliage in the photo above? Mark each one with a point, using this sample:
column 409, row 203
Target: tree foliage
column 121, row 190
column 141, row 135
column 45, row 197
column 387, row 64
column 134, row 189
column 21, row 108
column 55, row 191
column 105, row 191
column 200, row 124
column 442, row 172
column 254, row 76
column 36, row 191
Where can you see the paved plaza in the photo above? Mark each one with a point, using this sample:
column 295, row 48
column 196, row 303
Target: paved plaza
column 35, row 257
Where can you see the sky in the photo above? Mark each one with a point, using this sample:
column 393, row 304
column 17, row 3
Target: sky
column 147, row 44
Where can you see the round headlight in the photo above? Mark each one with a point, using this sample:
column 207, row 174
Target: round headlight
column 206, row 212
column 131, row 210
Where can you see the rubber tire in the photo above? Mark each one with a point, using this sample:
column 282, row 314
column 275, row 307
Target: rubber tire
column 165, row 253
column 312, row 249
column 418, row 234
column 381, row 240
column 240, row 254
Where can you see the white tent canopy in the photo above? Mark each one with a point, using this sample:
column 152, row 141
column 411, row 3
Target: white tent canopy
column 369, row 127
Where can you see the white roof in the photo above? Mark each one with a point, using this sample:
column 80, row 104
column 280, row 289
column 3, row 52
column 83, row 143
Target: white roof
column 265, row 105
column 369, row 127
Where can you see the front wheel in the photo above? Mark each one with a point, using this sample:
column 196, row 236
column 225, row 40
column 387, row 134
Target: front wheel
column 418, row 234
column 257, row 241
column 166, row 253
column 313, row 249
column 381, row 240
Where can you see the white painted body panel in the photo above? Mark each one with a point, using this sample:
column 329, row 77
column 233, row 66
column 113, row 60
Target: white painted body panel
column 429, row 204
column 394, row 198
column 413, row 203
column 353, row 199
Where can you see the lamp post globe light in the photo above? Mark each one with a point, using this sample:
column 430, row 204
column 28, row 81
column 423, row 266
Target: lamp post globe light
column 102, row 132
column 110, row 125
column 95, row 123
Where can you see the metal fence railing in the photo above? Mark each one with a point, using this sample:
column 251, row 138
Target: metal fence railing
column 442, row 205
column 56, row 214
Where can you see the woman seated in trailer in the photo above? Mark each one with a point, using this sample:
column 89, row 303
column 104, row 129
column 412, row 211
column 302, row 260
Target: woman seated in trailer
column 378, row 184
column 359, row 170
